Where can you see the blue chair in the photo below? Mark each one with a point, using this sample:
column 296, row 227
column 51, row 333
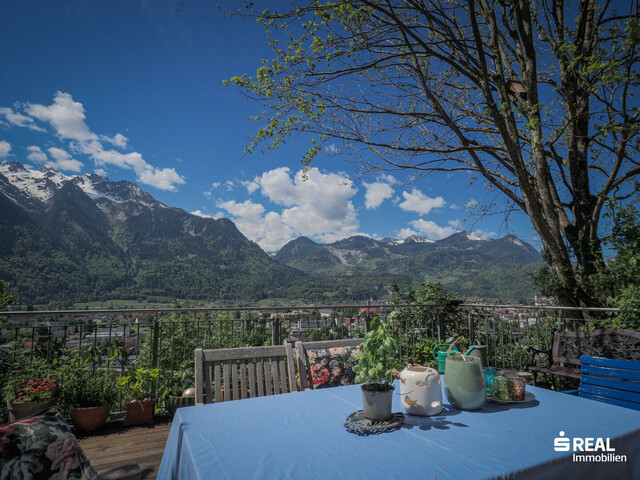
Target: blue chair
column 611, row 381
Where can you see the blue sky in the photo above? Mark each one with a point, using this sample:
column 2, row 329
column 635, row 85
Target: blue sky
column 133, row 90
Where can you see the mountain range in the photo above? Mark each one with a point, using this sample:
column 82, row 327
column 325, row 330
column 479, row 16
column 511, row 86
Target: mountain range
column 67, row 239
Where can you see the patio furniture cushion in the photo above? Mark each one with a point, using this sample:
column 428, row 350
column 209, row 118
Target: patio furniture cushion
column 42, row 447
column 332, row 367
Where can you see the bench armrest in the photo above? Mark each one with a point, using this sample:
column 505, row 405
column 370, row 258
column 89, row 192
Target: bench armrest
column 535, row 352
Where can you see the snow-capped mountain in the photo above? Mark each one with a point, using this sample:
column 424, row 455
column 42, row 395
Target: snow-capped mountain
column 81, row 238
column 40, row 186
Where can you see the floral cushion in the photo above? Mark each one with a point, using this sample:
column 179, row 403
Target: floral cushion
column 42, row 447
column 332, row 367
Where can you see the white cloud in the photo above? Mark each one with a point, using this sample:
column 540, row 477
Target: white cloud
column 471, row 204
column 332, row 149
column 118, row 140
column 377, row 193
column 453, row 206
column 319, row 207
column 19, row 120
column 251, row 186
column 68, row 119
column 100, row 171
column 215, row 184
column 390, row 179
column 431, row 230
column 36, row 154
column 246, row 209
column 418, row 202
column 5, row 148
column 202, row 214
column 404, row 233
column 63, row 161
column 66, row 116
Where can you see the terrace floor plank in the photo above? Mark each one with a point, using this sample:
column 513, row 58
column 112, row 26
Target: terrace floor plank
column 115, row 446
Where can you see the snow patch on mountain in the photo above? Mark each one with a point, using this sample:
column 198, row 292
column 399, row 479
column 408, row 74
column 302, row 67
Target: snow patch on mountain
column 42, row 184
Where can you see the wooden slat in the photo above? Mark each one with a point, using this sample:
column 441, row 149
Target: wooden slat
column 198, row 376
column 268, row 385
column 252, row 380
column 612, row 383
column 260, row 367
column 291, row 371
column 284, row 388
column 221, row 354
column 234, row 394
column 226, row 382
column 209, row 390
column 243, row 378
column 302, row 364
column 619, row 403
column 275, row 377
column 218, row 382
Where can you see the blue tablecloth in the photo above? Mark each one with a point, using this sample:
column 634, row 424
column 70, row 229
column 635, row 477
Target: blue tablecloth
column 302, row 436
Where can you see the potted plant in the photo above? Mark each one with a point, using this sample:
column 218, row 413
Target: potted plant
column 137, row 386
column 87, row 396
column 29, row 395
column 375, row 369
column 179, row 390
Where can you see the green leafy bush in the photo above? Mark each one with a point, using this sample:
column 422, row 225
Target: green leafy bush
column 85, row 388
column 138, row 383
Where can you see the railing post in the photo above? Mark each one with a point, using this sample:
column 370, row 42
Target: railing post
column 472, row 333
column 156, row 335
column 275, row 331
column 440, row 316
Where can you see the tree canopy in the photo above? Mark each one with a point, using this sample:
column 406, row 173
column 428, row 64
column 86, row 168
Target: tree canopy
column 536, row 99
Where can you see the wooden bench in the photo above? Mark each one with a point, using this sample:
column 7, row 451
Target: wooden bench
column 302, row 358
column 235, row 373
column 610, row 381
column 563, row 358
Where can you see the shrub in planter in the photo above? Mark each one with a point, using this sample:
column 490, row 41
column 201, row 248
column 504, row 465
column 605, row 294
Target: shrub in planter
column 87, row 396
column 137, row 385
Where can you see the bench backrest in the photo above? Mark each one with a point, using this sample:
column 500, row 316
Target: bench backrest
column 233, row 373
column 619, row 343
column 302, row 357
column 568, row 347
column 611, row 381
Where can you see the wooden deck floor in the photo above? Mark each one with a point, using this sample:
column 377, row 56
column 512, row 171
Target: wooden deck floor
column 116, row 445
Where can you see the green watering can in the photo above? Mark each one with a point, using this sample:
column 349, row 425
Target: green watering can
column 441, row 355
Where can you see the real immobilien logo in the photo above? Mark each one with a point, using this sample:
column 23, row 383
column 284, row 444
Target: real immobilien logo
column 596, row 449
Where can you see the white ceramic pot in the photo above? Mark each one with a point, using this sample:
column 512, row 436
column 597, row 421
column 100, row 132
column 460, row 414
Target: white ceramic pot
column 420, row 390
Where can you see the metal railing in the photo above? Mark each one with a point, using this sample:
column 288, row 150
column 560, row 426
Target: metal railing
column 165, row 338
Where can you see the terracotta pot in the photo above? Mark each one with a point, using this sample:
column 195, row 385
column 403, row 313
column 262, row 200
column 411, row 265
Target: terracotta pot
column 174, row 402
column 90, row 419
column 139, row 413
column 377, row 404
column 18, row 411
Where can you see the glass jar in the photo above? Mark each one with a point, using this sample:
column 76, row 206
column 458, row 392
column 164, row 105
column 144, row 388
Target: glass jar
column 501, row 387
